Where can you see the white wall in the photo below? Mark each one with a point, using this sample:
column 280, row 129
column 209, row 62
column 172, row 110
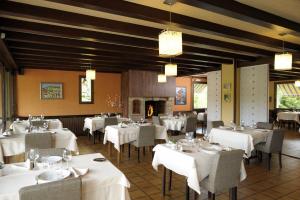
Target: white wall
column 214, row 95
column 254, row 94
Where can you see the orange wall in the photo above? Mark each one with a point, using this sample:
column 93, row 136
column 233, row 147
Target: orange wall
column 184, row 82
column 28, row 93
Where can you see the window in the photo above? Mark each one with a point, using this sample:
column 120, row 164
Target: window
column 86, row 91
column 287, row 95
column 200, row 95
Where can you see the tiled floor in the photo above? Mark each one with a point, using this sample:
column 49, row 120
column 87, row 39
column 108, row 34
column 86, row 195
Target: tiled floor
column 260, row 184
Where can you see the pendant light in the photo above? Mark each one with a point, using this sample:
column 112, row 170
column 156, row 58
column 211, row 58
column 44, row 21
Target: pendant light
column 297, row 83
column 171, row 69
column 170, row 42
column 284, row 60
column 90, row 73
column 161, row 78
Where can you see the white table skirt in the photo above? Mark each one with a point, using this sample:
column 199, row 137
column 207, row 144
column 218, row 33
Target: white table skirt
column 195, row 166
column 290, row 116
column 245, row 140
column 15, row 144
column 173, row 124
column 103, row 181
column 119, row 136
column 97, row 123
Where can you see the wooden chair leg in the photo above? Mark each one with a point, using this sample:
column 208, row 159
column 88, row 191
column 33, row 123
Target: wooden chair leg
column 187, row 191
column 128, row 150
column 164, row 182
column 144, row 151
column 138, row 151
column 209, row 195
column 269, row 161
column 170, row 180
column 213, row 196
column 233, row 193
column 94, row 136
column 280, row 159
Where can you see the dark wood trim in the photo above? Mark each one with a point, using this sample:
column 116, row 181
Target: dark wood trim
column 92, row 92
column 3, row 94
column 235, row 91
column 5, row 56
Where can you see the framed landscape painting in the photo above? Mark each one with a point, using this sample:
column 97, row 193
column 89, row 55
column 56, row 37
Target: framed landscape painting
column 180, row 98
column 51, row 90
column 86, row 90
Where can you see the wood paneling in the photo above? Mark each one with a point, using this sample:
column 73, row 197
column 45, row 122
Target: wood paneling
column 144, row 84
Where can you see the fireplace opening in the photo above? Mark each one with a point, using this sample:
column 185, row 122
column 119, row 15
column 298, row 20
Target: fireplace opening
column 153, row 108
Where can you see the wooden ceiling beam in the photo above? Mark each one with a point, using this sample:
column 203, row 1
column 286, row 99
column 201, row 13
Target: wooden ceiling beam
column 11, row 25
column 129, row 9
column 6, row 57
column 247, row 13
column 50, row 15
column 65, row 42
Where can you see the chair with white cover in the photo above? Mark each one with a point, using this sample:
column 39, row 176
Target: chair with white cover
column 224, row 174
column 38, row 141
column 190, row 124
column 156, row 120
column 145, row 138
column 213, row 124
column 67, row 189
column 51, row 152
column 108, row 121
column 38, row 123
column 272, row 145
column 264, row 125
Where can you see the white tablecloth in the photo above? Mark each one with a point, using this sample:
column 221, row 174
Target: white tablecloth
column 103, row 181
column 195, row 166
column 119, row 136
column 15, row 144
column 244, row 140
column 19, row 127
column 291, row 116
column 97, row 123
column 174, row 124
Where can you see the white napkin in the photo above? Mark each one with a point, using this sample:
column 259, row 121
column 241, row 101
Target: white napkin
column 78, row 172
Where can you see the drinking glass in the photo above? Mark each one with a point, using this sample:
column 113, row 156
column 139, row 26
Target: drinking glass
column 67, row 156
column 45, row 125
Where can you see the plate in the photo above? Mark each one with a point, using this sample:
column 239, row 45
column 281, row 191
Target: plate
column 53, row 175
column 52, row 159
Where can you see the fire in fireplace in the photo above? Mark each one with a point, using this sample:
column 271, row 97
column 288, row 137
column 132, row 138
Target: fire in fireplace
column 153, row 108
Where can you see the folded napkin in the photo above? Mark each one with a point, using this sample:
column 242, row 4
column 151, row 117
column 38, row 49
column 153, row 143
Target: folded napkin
column 78, row 172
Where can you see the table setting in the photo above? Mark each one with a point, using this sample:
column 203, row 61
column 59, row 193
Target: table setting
column 191, row 158
column 174, row 123
column 100, row 178
column 239, row 137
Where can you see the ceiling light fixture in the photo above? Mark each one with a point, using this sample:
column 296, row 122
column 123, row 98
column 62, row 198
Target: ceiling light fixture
column 161, row 78
column 284, row 60
column 171, row 69
column 90, row 73
column 170, row 42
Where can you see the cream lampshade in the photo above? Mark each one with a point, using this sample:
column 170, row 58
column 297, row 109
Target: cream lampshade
column 170, row 43
column 171, row 69
column 90, row 74
column 161, row 78
column 283, row 61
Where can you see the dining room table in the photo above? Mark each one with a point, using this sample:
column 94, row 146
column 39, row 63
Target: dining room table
column 102, row 180
column 121, row 134
column 289, row 116
column 173, row 123
column 14, row 144
column 97, row 123
column 192, row 160
column 244, row 139
column 19, row 126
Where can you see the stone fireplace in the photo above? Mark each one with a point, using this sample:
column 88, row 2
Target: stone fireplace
column 143, row 107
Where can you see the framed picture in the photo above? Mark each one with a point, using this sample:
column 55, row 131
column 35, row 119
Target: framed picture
column 180, row 98
column 86, row 90
column 51, row 90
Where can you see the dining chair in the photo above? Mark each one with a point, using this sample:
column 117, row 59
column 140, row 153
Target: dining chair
column 190, row 125
column 156, row 120
column 108, row 121
column 264, row 125
column 213, row 124
column 272, row 145
column 67, row 189
column 224, row 174
column 38, row 123
column 38, row 141
column 145, row 138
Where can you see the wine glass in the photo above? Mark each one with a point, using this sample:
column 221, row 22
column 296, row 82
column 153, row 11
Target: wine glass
column 45, row 125
column 67, row 156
